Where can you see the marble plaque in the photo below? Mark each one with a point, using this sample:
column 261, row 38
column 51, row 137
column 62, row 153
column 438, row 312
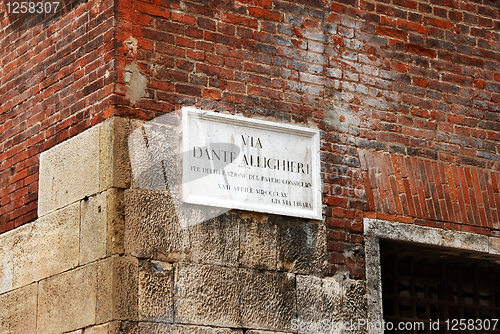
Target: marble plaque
column 242, row 163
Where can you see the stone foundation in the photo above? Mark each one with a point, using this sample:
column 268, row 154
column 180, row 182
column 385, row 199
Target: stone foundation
column 107, row 257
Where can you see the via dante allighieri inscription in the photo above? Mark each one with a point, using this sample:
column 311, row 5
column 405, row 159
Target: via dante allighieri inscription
column 241, row 163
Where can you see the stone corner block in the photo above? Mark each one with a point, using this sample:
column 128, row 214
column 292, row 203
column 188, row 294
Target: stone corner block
column 69, row 171
column 114, row 161
column 117, row 289
column 92, row 161
column 102, row 225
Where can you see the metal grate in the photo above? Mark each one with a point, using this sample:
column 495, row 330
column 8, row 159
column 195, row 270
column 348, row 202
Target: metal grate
column 421, row 284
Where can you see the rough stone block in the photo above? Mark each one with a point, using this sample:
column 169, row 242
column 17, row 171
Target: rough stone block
column 43, row 248
column 115, row 203
column 301, row 245
column 258, row 244
column 93, row 229
column 156, row 284
column 463, row 240
column 207, row 295
column 102, row 224
column 69, row 171
column 154, row 149
column 403, row 232
column 216, row 241
column 117, row 289
column 158, row 328
column 101, row 329
column 267, row 299
column 494, row 246
column 92, row 161
column 114, row 162
column 67, row 301
column 152, row 227
column 115, row 327
column 105, row 286
column 18, row 310
column 318, row 300
column 179, row 329
column 254, row 331
column 355, row 302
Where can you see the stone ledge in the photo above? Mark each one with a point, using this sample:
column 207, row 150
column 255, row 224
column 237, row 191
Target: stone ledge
column 432, row 236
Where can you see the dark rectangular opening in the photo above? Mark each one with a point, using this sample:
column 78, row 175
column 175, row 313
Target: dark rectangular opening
column 439, row 289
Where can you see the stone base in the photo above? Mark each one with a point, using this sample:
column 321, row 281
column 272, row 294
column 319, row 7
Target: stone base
column 104, row 258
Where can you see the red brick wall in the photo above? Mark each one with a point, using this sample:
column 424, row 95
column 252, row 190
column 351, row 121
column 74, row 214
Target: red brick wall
column 56, row 79
column 414, row 79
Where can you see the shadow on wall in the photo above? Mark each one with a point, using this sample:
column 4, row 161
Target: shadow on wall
column 23, row 15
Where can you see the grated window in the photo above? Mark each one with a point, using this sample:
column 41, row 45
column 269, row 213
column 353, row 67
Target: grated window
column 420, row 284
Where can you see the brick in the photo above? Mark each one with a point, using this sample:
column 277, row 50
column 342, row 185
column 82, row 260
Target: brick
column 264, row 14
column 240, row 20
column 396, row 33
column 153, row 10
column 213, row 94
column 215, row 71
column 419, row 50
column 183, row 18
column 462, row 191
column 391, row 11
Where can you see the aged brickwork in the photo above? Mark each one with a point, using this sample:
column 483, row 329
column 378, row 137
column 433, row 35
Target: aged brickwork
column 412, row 78
column 56, row 80
column 406, row 94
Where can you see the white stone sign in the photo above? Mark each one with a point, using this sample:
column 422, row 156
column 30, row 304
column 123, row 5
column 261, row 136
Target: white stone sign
column 241, row 163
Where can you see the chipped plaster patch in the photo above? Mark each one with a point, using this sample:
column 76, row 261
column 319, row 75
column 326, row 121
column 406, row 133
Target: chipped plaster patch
column 131, row 44
column 135, row 81
column 342, row 119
